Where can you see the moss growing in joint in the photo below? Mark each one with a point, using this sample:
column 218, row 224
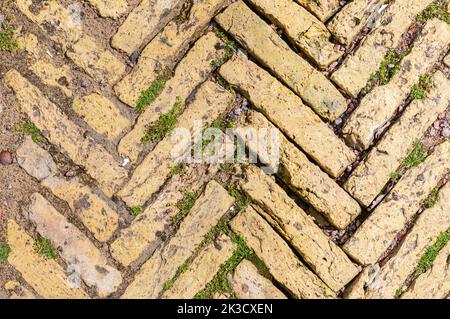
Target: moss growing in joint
column 46, row 248
column 165, row 124
column 29, row 128
column 415, row 157
column 7, row 42
column 220, row 284
column 434, row 10
column 419, row 90
column 149, row 95
column 5, row 250
column 432, row 252
column 136, row 211
column 230, row 49
column 432, row 199
column 185, row 205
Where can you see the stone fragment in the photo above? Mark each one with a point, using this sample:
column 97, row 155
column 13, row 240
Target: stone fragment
column 110, row 9
column 35, row 161
column 323, row 9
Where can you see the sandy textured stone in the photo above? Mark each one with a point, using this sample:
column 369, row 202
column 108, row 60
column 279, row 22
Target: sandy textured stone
column 286, row 110
column 381, row 103
column 46, row 277
column 269, row 49
column 325, row 258
column 74, row 247
column 351, row 20
column 378, row 231
column 110, row 9
column 426, row 230
column 306, row 179
column 144, row 22
column 356, row 289
column 323, row 9
column 54, row 76
column 62, row 24
column 435, row 283
column 96, row 61
column 190, row 73
column 247, row 283
column 210, row 101
column 283, row 265
column 371, row 175
column 302, row 28
column 34, row 160
column 101, row 114
column 62, row 132
column 166, row 49
column 354, row 74
column 93, row 211
column 18, row 291
column 162, row 266
column 146, row 232
column 202, row 270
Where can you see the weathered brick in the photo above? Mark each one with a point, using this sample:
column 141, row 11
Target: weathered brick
column 302, row 28
column 62, row 132
column 371, row 175
column 306, row 179
column 166, row 49
column 323, row 9
column 247, row 283
column 46, row 277
column 163, row 265
column 53, row 76
column 101, row 114
column 283, row 265
column 146, row 231
column 202, row 270
column 435, row 283
column 144, row 22
column 110, row 9
column 325, row 258
column 96, row 61
column 381, row 103
column 354, row 74
column 378, row 231
column 210, row 101
column 93, row 211
column 351, row 20
column 426, row 230
column 74, row 247
column 190, row 73
column 59, row 22
column 268, row 48
column 286, row 110
column 447, row 60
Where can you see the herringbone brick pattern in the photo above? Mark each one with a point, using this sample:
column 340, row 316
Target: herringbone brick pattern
column 93, row 204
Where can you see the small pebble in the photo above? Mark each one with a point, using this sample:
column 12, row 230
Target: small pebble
column 6, row 158
column 446, row 132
